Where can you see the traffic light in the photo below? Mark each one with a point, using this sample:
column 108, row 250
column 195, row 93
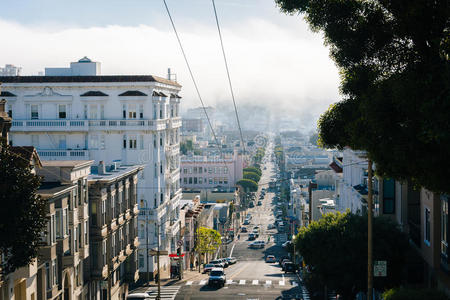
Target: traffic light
column 179, row 251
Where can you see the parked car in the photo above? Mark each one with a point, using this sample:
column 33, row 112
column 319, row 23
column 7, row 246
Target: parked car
column 271, row 226
column 259, row 203
column 217, row 277
column 286, row 244
column 246, row 222
column 257, row 244
column 207, row 268
column 231, row 260
column 217, row 262
column 283, row 263
column 243, row 229
column 251, row 236
column 270, row 259
column 224, row 261
column 289, row 267
column 251, row 204
column 139, row 296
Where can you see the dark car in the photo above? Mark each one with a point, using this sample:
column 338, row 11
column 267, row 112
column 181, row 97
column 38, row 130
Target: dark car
column 246, row 222
column 259, row 203
column 243, row 229
column 289, row 267
column 217, row 277
column 251, row 236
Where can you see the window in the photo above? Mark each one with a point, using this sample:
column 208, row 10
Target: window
column 220, row 180
column 85, row 111
column 141, row 142
column 190, row 180
column 215, row 180
column 113, row 244
column 225, row 180
column 121, row 238
column 210, row 181
column 124, row 111
column 55, row 272
column 210, row 170
column 131, row 111
column 161, row 168
column 35, row 140
column 141, row 260
column 75, row 239
column 104, row 252
column 185, row 170
column 388, row 196
column 427, row 229
column 155, row 204
column 160, row 114
column 59, row 226
column 102, row 111
column 200, row 180
column 66, row 221
column 103, row 212
column 195, row 180
column 200, row 169
column 93, row 217
column 195, row 170
column 53, row 229
column 62, row 111
column 185, row 180
column 132, row 143
column 171, row 110
column 93, row 111
column 190, row 170
column 225, row 170
column 93, row 142
column 444, row 230
column 47, row 275
column 102, row 142
column 80, row 234
column 10, row 111
column 62, row 142
column 141, row 111
column 124, row 142
column 154, row 111
column 34, row 112
column 162, row 198
column 160, row 141
column 154, row 141
column 86, row 234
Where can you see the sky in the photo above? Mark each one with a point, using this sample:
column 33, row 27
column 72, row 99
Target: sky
column 275, row 60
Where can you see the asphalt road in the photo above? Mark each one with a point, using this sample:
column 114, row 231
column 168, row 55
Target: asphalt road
column 251, row 277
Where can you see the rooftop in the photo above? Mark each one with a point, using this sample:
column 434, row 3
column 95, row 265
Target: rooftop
column 101, row 78
column 67, row 163
column 113, row 174
column 51, row 189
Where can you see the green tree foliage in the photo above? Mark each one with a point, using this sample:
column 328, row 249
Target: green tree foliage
column 254, row 170
column 23, row 213
column 208, row 240
column 257, row 158
column 248, row 185
column 187, row 146
column 335, row 247
column 252, row 176
column 414, row 294
column 395, row 81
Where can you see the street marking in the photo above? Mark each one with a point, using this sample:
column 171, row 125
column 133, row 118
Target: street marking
column 202, row 282
column 255, row 282
column 242, row 281
column 268, row 282
column 294, row 283
column 230, row 281
column 281, row 282
column 232, row 248
column 189, row 283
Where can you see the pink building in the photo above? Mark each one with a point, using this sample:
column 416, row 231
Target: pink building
column 211, row 172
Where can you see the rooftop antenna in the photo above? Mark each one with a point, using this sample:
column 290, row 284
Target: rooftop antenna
column 171, row 76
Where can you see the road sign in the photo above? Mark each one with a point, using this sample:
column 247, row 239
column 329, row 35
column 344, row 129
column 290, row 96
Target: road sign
column 180, row 243
column 155, row 252
column 380, row 268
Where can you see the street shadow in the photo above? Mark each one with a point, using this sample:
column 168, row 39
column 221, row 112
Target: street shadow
column 209, row 288
column 274, row 275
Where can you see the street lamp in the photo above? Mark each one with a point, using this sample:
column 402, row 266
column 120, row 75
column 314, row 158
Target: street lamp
column 293, row 242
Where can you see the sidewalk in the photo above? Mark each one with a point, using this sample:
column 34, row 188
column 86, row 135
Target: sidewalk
column 188, row 275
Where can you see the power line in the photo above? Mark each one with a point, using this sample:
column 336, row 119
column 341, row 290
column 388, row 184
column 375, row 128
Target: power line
column 228, row 75
column 192, row 75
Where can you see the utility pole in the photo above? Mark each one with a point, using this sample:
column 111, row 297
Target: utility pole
column 369, row 234
column 158, row 297
column 146, row 240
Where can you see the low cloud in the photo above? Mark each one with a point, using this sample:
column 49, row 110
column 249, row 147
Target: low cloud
column 287, row 70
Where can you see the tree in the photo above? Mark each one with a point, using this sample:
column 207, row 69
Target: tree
column 394, row 63
column 248, row 185
column 414, row 294
column 254, row 170
column 252, row 176
column 208, row 240
column 187, row 146
column 335, row 248
column 23, row 213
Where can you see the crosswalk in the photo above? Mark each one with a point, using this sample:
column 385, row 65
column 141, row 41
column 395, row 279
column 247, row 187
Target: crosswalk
column 280, row 283
column 167, row 292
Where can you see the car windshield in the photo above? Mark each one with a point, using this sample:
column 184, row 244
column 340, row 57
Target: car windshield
column 216, row 273
column 209, row 265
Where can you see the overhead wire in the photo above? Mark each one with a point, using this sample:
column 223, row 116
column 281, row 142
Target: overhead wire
column 228, row 76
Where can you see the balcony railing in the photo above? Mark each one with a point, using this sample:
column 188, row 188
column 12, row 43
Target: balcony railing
column 63, row 154
column 85, row 125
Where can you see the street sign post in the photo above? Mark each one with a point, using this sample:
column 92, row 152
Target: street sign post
column 180, row 243
column 380, row 268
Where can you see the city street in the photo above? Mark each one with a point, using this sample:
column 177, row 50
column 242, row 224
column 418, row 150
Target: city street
column 251, row 277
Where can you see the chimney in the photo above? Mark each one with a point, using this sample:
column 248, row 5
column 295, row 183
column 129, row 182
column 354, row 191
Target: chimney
column 168, row 73
column 101, row 168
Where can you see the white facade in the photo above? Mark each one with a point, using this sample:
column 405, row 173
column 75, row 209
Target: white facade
column 134, row 119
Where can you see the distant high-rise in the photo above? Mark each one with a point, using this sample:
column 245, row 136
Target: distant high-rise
column 10, row 70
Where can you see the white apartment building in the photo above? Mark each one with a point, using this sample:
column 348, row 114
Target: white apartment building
column 76, row 114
